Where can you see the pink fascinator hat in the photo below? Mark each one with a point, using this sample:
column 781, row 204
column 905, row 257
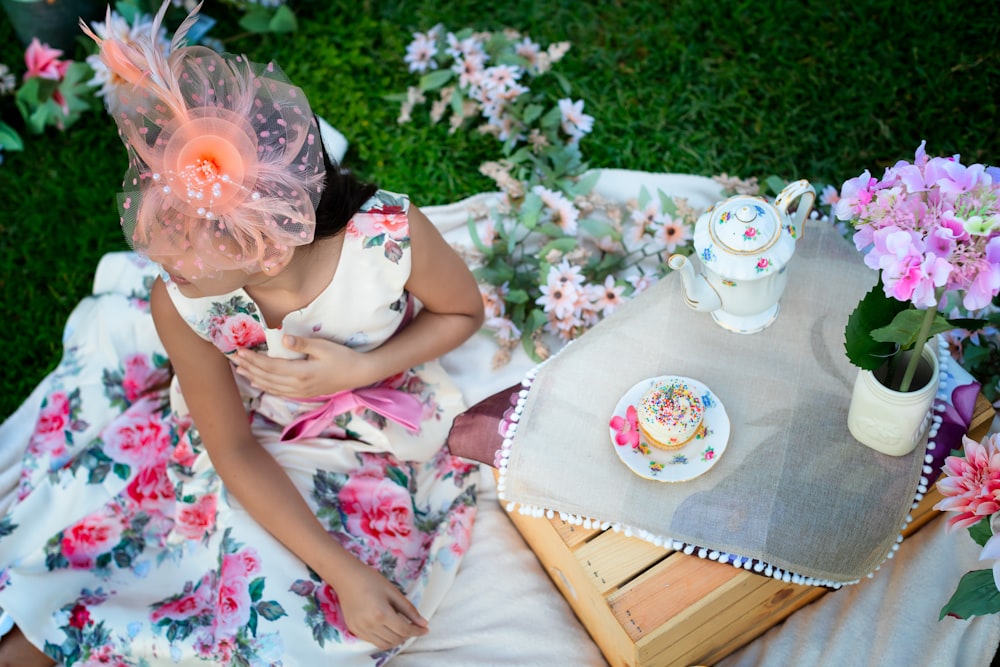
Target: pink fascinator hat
column 225, row 159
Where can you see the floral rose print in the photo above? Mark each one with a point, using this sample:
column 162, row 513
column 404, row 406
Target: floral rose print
column 323, row 614
column 238, row 331
column 89, row 538
column 196, row 520
column 139, row 437
column 233, row 324
column 139, row 375
column 383, row 222
column 382, row 510
column 222, row 611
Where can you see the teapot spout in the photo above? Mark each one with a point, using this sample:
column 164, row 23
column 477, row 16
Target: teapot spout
column 698, row 293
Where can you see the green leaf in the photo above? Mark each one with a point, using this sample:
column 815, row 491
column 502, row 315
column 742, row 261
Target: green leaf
column 905, row 327
column 397, row 476
column 517, row 296
column 128, row 11
column 256, row 588
column 981, row 532
column 667, row 204
column 257, row 19
column 532, row 113
column 970, row 325
column 271, row 610
column 9, row 138
column 976, row 595
column 563, row 83
column 552, row 119
column 599, row 229
column 563, row 245
column 775, row 183
column 436, row 79
column 873, row 311
column 974, row 355
column 474, row 235
column 536, row 320
column 531, row 208
column 644, row 197
column 497, row 272
column 457, row 100
column 552, row 230
column 283, row 20
column 586, row 183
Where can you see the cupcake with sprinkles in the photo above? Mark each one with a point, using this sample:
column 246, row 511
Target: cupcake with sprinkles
column 670, row 414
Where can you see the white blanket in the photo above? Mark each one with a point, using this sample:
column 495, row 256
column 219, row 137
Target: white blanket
column 503, row 609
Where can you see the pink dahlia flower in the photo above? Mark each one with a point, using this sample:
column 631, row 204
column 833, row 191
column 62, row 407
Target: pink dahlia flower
column 971, row 483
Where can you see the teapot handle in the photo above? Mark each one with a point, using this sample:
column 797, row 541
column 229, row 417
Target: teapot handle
column 790, row 193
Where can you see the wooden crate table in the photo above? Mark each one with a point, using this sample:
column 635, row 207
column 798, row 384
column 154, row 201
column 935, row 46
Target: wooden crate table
column 649, row 606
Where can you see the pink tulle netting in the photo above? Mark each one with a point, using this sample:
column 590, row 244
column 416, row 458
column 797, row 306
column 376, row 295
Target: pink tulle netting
column 225, row 159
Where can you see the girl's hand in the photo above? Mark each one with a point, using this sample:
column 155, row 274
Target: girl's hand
column 376, row 611
column 327, row 368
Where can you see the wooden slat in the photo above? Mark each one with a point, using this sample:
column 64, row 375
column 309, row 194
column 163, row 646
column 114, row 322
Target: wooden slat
column 747, row 604
column 573, row 535
column 575, row 586
column 723, row 646
column 611, row 559
column 665, row 591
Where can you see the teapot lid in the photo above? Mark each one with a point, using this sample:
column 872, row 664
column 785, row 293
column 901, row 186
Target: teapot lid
column 743, row 238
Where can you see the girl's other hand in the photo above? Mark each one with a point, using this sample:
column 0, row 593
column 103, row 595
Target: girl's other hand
column 376, row 611
column 327, row 367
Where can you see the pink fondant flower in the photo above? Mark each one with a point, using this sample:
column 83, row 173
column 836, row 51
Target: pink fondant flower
column 971, row 483
column 627, row 428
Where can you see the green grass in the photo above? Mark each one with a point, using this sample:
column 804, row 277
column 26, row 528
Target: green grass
column 818, row 90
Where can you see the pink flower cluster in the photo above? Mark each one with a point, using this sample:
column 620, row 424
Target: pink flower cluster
column 930, row 226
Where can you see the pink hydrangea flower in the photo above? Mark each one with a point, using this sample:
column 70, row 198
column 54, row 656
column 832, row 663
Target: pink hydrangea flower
column 971, row 483
column 930, row 226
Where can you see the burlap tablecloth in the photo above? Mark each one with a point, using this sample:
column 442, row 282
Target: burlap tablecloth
column 793, row 489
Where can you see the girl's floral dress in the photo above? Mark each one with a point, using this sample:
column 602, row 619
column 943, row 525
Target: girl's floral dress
column 120, row 546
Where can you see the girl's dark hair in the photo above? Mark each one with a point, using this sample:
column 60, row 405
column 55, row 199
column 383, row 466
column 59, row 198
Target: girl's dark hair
column 340, row 200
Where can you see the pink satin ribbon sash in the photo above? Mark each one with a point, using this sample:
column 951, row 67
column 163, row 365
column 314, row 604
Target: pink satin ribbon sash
column 399, row 406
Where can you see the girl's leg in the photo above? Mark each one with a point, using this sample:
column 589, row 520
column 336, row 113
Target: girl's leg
column 16, row 651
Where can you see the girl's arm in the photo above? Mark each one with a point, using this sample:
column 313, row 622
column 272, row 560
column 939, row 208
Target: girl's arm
column 452, row 311
column 374, row 609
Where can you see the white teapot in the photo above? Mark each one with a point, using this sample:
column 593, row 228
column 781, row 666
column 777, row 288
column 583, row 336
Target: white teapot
column 744, row 244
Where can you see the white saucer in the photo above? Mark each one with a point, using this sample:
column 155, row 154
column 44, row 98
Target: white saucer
column 685, row 463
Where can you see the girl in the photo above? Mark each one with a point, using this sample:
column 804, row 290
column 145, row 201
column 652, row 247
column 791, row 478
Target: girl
column 298, row 510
